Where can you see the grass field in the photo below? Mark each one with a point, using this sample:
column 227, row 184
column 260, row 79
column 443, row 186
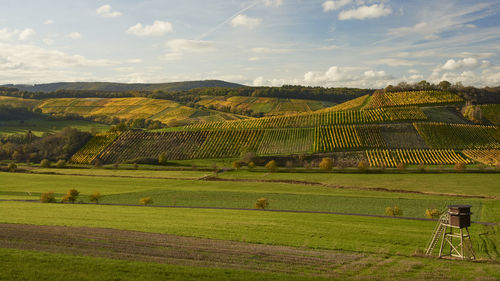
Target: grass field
column 40, row 126
column 166, row 188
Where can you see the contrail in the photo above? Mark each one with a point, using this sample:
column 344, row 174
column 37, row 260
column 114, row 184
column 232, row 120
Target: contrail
column 226, row 21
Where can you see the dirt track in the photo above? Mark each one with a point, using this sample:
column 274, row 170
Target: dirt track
column 151, row 247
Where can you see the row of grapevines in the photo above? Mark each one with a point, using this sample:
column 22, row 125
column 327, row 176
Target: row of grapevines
column 92, row 149
column 457, row 136
column 391, row 158
column 336, row 137
column 486, row 156
column 228, row 143
column 413, row 98
column 134, row 145
column 310, row 120
column 286, row 141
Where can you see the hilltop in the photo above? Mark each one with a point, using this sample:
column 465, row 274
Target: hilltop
column 109, row 86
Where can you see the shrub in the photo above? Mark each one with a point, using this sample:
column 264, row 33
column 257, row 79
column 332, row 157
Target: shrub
column 271, row 165
column 460, row 167
column 162, row 159
column 95, row 197
column 146, row 201
column 45, row 163
column 71, row 196
column 61, row 163
column 48, row 197
column 362, row 165
column 289, row 164
column 135, row 166
column 261, row 203
column 249, row 156
column 97, row 163
column 393, row 211
column 401, row 166
column 214, row 167
column 236, row 164
column 326, row 164
column 116, row 166
column 12, row 167
column 251, row 165
column 432, row 213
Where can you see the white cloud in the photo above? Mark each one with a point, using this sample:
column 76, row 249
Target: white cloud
column 106, row 11
column 74, row 35
column 178, row 47
column 49, row 21
column 273, row 3
column 134, row 60
column 376, row 75
column 413, row 71
column 245, row 21
column 158, row 28
column 335, row 5
column 394, row 62
column 26, row 34
column 365, row 12
column 452, row 64
column 28, row 63
column 333, row 74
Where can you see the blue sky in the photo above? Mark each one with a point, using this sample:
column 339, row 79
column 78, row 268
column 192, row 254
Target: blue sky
column 353, row 43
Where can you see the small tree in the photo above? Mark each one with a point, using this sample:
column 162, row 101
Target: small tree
column 97, row 163
column 326, row 164
column 261, row 203
column 45, row 163
column 393, row 211
column 236, row 164
column 71, row 196
column 48, row 197
column 146, row 201
column 289, row 164
column 271, row 165
column 362, row 165
column 251, row 165
column 162, row 158
column 432, row 213
column 61, row 163
column 135, row 166
column 12, row 167
column 460, row 166
column 95, row 197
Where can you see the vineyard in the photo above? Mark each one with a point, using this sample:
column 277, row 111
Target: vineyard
column 491, row 112
column 458, row 136
column 487, row 156
column 353, row 104
column 94, row 148
column 312, row 120
column 286, row 141
column 391, row 158
column 412, row 98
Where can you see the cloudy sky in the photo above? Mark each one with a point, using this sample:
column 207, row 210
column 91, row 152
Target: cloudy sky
column 354, row 43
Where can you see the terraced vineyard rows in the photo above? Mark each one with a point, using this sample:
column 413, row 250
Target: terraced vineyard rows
column 92, row 149
column 485, row 156
column 353, row 104
column 391, row 158
column 336, row 137
column 286, row 141
column 228, row 143
column 311, row 120
column 412, row 98
column 458, row 136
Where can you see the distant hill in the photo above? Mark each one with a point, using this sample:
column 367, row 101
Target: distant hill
column 108, row 86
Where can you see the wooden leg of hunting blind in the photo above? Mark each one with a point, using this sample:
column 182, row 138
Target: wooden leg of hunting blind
column 442, row 242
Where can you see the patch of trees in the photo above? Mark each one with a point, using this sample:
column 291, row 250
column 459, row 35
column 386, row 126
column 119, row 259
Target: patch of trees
column 28, row 147
column 9, row 113
column 471, row 94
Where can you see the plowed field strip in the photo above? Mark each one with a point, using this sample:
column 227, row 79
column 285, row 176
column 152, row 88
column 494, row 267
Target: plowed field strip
column 171, row 249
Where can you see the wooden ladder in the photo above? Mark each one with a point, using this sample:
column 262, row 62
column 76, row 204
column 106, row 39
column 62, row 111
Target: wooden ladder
column 438, row 232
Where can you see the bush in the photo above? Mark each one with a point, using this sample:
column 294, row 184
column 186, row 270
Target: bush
column 12, row 167
column 236, row 164
column 362, row 165
column 460, row 167
column 326, row 164
column 401, row 166
column 135, row 166
column 97, row 163
column 95, row 197
column 71, row 196
column 271, row 165
column 48, row 197
column 162, row 159
column 61, row 163
column 251, row 165
column 393, row 211
column 432, row 213
column 289, row 164
column 45, row 163
column 261, row 203
column 146, row 201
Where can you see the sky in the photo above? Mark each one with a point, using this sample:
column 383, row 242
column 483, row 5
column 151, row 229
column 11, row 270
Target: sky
column 335, row 43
